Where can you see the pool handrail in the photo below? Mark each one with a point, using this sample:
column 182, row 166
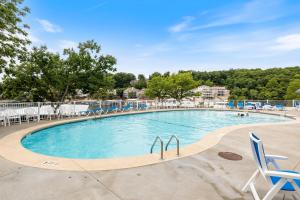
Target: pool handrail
column 177, row 143
column 161, row 147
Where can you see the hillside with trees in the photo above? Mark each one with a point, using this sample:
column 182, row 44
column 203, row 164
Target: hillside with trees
column 256, row 84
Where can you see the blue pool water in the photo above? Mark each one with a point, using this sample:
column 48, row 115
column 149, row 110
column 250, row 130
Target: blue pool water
column 132, row 135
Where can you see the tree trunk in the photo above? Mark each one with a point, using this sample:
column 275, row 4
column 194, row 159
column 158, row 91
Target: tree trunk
column 65, row 93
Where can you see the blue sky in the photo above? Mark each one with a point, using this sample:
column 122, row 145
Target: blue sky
column 155, row 35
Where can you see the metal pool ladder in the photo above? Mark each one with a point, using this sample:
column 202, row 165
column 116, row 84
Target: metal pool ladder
column 177, row 143
column 161, row 147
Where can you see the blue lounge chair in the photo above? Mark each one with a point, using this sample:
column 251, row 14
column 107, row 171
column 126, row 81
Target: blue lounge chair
column 279, row 107
column 127, row 107
column 142, row 106
column 231, row 104
column 112, row 108
column 240, row 105
column 95, row 111
column 278, row 180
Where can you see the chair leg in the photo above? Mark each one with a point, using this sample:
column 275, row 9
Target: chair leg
column 275, row 189
column 251, row 180
column 253, row 191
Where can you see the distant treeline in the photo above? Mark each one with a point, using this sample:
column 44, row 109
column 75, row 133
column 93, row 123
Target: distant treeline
column 273, row 83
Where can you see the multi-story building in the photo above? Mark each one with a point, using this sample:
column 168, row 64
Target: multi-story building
column 212, row 93
column 133, row 93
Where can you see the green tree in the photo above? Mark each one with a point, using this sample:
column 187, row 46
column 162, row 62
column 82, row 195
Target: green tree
column 87, row 68
column 106, row 89
column 123, row 80
column 13, row 35
column 292, row 88
column 181, row 85
column 269, row 83
column 158, row 87
column 155, row 74
column 140, row 83
column 45, row 76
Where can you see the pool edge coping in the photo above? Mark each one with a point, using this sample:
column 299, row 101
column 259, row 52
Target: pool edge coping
column 11, row 148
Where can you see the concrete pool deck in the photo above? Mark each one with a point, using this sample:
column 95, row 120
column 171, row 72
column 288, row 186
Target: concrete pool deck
column 201, row 176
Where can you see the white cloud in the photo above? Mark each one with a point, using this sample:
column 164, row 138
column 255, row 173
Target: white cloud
column 182, row 25
column 255, row 11
column 287, row 42
column 49, row 27
column 65, row 44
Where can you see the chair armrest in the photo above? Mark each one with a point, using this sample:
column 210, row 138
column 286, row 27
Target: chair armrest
column 276, row 157
column 287, row 175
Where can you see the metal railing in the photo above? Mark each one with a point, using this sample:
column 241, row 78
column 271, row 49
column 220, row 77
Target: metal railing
column 161, row 147
column 15, row 113
column 177, row 143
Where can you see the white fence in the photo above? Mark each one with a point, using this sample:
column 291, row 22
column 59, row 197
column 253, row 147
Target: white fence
column 16, row 113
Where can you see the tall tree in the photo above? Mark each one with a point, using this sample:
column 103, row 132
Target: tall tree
column 13, row 35
column 155, row 74
column 181, row 85
column 45, row 76
column 123, row 80
column 292, row 90
column 176, row 86
column 140, row 83
column 158, row 87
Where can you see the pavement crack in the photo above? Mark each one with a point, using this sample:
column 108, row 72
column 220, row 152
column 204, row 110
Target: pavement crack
column 98, row 181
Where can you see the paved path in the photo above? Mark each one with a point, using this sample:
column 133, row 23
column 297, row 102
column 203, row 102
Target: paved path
column 202, row 176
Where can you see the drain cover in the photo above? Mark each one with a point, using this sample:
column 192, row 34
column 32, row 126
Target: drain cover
column 230, row 156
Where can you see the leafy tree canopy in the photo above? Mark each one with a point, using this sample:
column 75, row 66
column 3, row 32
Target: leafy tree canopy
column 181, row 84
column 140, row 83
column 158, row 87
column 13, row 33
column 45, row 76
column 256, row 84
column 123, row 80
column 292, row 90
column 176, row 86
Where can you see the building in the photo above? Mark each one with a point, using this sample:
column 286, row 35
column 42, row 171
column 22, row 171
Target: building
column 212, row 93
column 132, row 92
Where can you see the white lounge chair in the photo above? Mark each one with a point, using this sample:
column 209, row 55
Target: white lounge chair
column 13, row 115
column 66, row 110
column 81, row 109
column 278, row 180
column 31, row 113
column 47, row 111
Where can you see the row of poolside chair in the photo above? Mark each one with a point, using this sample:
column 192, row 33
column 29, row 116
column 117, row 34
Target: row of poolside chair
column 176, row 104
column 255, row 106
column 278, row 179
column 18, row 115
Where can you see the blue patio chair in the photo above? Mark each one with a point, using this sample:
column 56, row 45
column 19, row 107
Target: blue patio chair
column 142, row 106
column 240, row 105
column 112, row 108
column 127, row 107
column 231, row 104
column 279, row 107
column 95, row 111
column 278, row 179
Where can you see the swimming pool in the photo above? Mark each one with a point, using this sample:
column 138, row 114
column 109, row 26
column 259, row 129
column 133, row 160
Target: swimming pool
column 133, row 135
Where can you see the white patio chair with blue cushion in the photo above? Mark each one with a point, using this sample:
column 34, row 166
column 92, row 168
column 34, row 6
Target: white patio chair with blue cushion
column 278, row 180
